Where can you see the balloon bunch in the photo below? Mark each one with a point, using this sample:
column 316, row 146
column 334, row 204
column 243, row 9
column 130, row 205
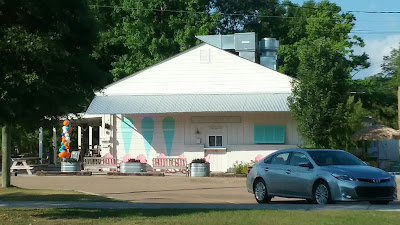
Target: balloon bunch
column 65, row 140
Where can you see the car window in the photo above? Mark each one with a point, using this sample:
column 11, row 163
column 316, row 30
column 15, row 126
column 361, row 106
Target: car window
column 280, row 159
column 332, row 158
column 298, row 158
column 268, row 160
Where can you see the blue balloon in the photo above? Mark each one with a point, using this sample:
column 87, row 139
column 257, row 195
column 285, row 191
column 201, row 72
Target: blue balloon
column 62, row 144
column 63, row 147
column 62, row 134
column 60, row 150
column 67, row 128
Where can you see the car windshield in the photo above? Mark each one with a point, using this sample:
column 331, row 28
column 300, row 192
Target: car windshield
column 330, row 158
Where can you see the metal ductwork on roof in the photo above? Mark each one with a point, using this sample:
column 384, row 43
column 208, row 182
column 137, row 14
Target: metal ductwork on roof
column 269, row 53
column 246, row 45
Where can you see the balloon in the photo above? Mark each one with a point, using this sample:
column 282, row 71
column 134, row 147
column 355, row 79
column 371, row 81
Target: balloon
column 62, row 144
column 67, row 128
column 64, row 130
column 67, row 154
column 62, row 147
column 68, row 139
column 62, row 154
column 60, row 150
column 63, row 139
column 66, row 135
column 70, row 130
column 62, row 134
column 66, row 123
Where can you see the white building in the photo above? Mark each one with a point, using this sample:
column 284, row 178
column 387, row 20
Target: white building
column 202, row 101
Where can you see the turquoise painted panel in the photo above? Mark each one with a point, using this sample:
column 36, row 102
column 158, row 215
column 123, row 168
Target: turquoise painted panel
column 127, row 128
column 147, row 123
column 168, row 123
column 148, row 133
column 169, row 132
column 269, row 134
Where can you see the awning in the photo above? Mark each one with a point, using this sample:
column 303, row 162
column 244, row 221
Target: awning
column 180, row 103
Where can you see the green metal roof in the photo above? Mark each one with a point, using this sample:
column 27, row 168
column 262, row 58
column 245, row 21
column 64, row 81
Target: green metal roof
column 180, row 103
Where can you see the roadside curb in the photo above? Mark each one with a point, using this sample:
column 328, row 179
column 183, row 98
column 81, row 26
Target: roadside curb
column 136, row 174
column 227, row 175
column 57, row 173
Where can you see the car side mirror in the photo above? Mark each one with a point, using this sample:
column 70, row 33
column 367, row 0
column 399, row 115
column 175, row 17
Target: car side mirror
column 366, row 163
column 306, row 165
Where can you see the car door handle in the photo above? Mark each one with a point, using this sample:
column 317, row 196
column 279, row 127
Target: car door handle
column 288, row 172
column 266, row 169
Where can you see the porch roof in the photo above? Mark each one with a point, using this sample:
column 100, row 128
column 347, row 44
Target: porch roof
column 181, row 103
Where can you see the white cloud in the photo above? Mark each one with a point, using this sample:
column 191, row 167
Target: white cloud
column 376, row 49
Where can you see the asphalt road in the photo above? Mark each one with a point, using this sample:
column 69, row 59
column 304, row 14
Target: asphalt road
column 168, row 189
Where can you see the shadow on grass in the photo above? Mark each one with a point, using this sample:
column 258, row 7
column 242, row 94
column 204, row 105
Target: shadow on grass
column 54, row 214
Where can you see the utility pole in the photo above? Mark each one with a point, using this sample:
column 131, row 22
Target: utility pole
column 6, row 156
column 398, row 112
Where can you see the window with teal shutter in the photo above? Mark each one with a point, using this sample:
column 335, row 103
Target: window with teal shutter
column 269, row 134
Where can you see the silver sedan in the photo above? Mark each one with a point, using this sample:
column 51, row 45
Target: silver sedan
column 319, row 176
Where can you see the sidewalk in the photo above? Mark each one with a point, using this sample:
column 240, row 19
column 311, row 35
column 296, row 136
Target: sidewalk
column 273, row 206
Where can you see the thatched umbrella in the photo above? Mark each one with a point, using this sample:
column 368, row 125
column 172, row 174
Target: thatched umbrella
column 376, row 132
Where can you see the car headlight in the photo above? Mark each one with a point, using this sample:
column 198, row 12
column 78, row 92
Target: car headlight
column 344, row 177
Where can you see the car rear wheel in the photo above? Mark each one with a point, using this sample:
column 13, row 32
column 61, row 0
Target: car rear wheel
column 321, row 193
column 260, row 192
column 379, row 202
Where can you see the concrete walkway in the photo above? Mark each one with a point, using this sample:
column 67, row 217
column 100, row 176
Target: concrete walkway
column 129, row 205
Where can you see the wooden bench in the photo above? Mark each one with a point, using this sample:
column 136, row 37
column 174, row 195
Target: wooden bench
column 99, row 164
column 170, row 165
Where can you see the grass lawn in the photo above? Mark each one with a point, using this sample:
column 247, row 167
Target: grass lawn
column 19, row 194
column 175, row 216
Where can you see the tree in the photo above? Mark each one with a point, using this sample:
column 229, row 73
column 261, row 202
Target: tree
column 379, row 92
column 137, row 34
column 45, row 63
column 320, row 100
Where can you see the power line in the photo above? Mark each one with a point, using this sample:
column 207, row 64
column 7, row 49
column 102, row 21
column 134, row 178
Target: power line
column 259, row 15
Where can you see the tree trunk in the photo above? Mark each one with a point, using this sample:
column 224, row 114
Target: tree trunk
column 6, row 156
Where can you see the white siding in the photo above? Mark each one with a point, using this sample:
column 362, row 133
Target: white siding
column 238, row 138
column 185, row 74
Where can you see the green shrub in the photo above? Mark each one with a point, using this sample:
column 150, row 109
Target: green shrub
column 201, row 160
column 240, row 168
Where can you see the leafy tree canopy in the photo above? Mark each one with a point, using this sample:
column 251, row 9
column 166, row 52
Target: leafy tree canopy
column 45, row 63
column 320, row 102
column 138, row 34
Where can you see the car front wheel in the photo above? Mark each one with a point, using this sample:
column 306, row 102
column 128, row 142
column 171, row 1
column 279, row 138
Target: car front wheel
column 321, row 193
column 260, row 192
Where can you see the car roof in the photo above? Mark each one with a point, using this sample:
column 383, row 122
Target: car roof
column 305, row 150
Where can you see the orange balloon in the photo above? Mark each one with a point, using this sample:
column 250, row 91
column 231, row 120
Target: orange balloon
column 67, row 154
column 66, row 123
column 63, row 139
column 70, row 130
column 62, row 154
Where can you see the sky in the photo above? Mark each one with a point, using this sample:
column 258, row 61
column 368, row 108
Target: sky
column 380, row 32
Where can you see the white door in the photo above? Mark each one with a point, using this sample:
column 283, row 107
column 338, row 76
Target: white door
column 218, row 160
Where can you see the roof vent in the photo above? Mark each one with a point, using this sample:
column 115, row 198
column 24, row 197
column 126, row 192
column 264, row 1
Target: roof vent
column 269, row 49
column 246, row 45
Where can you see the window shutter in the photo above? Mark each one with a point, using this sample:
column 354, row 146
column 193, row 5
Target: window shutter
column 269, row 134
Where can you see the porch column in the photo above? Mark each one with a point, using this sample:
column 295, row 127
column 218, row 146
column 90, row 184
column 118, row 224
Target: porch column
column 90, row 137
column 41, row 143
column 79, row 137
column 54, row 146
